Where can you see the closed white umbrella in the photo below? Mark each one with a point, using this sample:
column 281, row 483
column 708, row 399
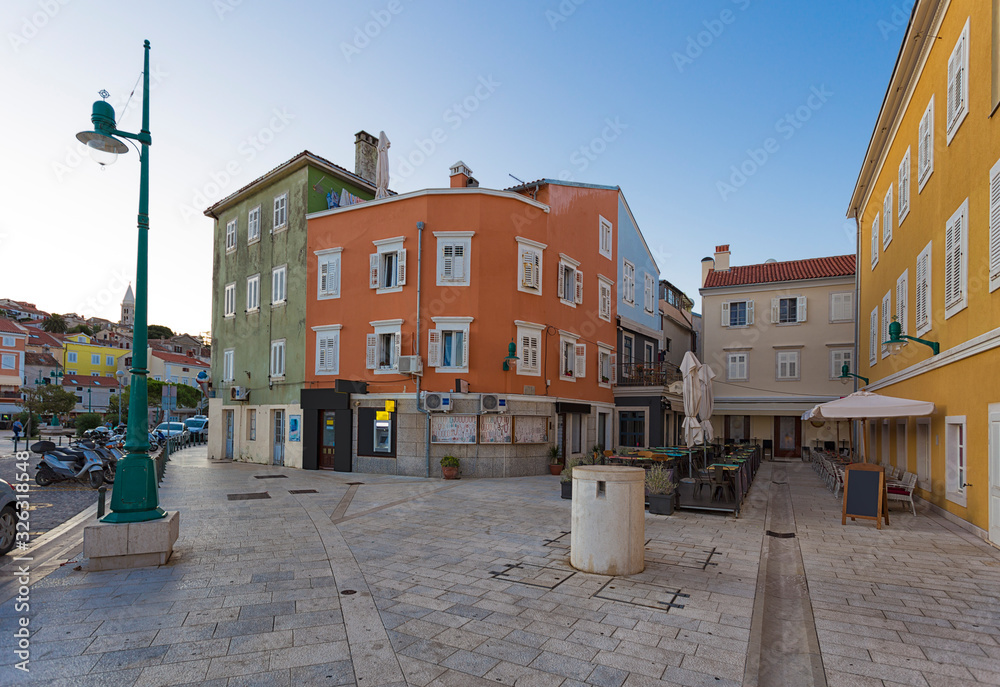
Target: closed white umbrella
column 382, row 167
column 692, row 399
column 706, row 402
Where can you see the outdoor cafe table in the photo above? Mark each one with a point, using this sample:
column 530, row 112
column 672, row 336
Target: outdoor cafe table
column 740, row 474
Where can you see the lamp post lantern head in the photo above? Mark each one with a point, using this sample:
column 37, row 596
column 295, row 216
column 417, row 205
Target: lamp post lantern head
column 103, row 147
column 897, row 339
column 511, row 358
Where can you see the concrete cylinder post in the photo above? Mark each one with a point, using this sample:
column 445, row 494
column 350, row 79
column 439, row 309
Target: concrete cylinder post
column 609, row 520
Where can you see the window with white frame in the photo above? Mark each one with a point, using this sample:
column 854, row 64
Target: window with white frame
column 955, row 459
column 842, row 307
column 789, row 310
column 453, row 257
column 228, row 369
column 279, row 285
column 529, row 338
column 277, row 368
column 530, row 265
column 71, row 356
column 886, row 321
column 737, row 366
column 628, row 282
column 874, row 241
column 787, row 365
column 253, row 225
column 109, row 360
column 8, row 362
column 650, row 351
column 604, row 291
column 995, row 227
column 229, row 307
column 922, row 291
column 387, row 266
column 958, row 83
column 605, row 365
column 570, row 286
column 956, row 261
column 328, row 273
column 902, row 304
column 737, row 313
column 572, row 357
column 280, row 212
column 873, row 340
column 327, row 349
column 838, row 358
column 649, row 294
column 383, row 347
column 448, row 344
column 887, row 214
column 253, row 293
column 903, row 182
column 231, row 236
column 925, row 146
column 606, row 234
column 95, row 358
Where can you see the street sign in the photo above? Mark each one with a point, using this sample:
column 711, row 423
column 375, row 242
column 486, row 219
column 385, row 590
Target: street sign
column 382, row 415
column 390, row 407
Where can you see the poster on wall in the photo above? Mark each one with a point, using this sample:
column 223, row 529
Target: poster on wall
column 453, row 429
column 495, row 429
column 531, row 429
column 294, row 422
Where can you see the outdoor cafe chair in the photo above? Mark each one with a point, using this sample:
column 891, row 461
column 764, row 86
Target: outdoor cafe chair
column 903, row 491
column 720, row 482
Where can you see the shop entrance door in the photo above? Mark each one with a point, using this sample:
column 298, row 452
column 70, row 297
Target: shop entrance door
column 787, row 437
column 327, row 440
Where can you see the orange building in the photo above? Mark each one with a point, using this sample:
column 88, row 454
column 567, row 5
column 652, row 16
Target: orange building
column 415, row 300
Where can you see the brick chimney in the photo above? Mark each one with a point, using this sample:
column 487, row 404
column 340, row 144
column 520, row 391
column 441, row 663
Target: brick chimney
column 461, row 176
column 722, row 258
column 365, row 155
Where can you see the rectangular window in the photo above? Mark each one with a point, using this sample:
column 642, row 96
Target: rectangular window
column 109, row 360
column 995, row 226
column 887, row 219
column 530, row 270
column 529, row 350
column 253, row 225
column 874, row 241
column 383, row 347
column 570, row 283
column 902, row 306
column 251, row 424
column 253, row 293
column 386, row 351
column 886, row 321
column 788, row 310
column 8, row 341
column 606, row 366
column 955, row 459
column 737, row 313
column 229, row 309
column 903, row 182
column 838, row 358
column 328, row 350
column 95, row 358
column 448, row 344
column 649, row 294
column 95, row 374
column 605, row 237
column 278, row 358
column 387, row 267
column 842, row 307
column 631, row 428
column 628, row 348
column 925, row 146
column 568, row 368
column 604, row 290
column 956, row 261
column 227, row 365
column 787, row 365
column 231, row 236
column 922, row 291
column 328, row 274
column 278, row 285
column 650, row 352
column 453, row 262
column 958, row 82
column 72, row 356
column 280, row 212
column 628, row 282
column 736, row 367
column 873, row 340
column 9, row 361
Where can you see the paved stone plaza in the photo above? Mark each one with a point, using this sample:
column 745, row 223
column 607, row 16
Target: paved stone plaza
column 375, row 581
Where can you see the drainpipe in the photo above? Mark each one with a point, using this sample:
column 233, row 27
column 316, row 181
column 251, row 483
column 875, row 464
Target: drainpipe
column 855, row 440
column 416, row 349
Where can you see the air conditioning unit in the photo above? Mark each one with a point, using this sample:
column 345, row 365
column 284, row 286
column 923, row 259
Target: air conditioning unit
column 411, row 365
column 239, row 393
column 440, row 403
column 492, row 403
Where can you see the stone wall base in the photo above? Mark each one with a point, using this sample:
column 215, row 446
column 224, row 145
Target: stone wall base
column 117, row 546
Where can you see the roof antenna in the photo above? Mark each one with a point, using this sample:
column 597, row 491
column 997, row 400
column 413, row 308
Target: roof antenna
column 515, row 178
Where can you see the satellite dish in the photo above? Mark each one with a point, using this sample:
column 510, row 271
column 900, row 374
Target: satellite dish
column 769, row 261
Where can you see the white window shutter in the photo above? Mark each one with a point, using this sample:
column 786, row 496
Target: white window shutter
column 995, row 226
column 525, row 352
column 887, row 219
column 434, row 348
column 333, row 353
column 459, row 250
column 901, row 287
column 922, row 142
column 775, row 310
column 397, row 339
column 579, row 286
column 800, row 309
column 614, row 370
column 886, row 320
column 373, row 271
column 725, row 314
column 875, row 242
column 371, row 351
column 401, row 267
column 334, row 282
column 465, row 348
column 873, row 337
column 527, row 265
column 324, row 272
column 447, row 266
column 561, row 288
column 536, row 273
column 749, row 313
column 952, row 246
column 320, row 353
column 580, row 369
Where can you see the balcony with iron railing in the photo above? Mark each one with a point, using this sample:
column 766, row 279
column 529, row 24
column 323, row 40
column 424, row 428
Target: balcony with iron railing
column 648, row 374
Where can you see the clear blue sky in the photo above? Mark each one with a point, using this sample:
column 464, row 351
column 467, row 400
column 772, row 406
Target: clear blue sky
column 661, row 99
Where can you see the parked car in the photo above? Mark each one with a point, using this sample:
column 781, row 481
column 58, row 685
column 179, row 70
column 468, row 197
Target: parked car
column 8, row 517
column 197, row 426
column 173, row 429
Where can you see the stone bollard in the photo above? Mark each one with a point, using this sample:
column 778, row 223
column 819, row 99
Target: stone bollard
column 608, row 532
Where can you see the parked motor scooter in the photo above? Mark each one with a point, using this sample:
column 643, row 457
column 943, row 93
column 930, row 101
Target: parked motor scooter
column 61, row 465
column 108, row 453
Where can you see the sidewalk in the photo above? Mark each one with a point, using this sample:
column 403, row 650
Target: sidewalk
column 406, row 581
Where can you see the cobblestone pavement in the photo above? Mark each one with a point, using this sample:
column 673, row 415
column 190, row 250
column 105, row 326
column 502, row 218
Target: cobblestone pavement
column 405, row 581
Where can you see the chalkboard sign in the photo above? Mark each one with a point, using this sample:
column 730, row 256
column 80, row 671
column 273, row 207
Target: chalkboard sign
column 864, row 493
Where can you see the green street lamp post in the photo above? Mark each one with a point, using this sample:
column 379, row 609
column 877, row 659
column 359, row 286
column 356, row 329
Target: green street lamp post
column 897, row 339
column 134, row 496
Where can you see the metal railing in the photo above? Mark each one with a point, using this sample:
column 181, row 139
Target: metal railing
column 648, row 374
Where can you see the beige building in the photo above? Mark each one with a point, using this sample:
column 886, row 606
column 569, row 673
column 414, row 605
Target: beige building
column 777, row 335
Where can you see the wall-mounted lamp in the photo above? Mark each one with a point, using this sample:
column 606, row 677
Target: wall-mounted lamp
column 511, row 358
column 897, row 339
column 846, row 374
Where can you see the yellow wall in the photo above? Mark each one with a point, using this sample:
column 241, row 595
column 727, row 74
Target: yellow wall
column 83, row 367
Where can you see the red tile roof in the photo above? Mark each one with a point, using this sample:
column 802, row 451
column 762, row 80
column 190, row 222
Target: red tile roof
column 102, row 382
column 792, row 270
column 178, row 359
column 40, row 337
column 11, row 327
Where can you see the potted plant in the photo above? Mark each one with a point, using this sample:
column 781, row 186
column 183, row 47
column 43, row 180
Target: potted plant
column 566, row 479
column 449, row 467
column 598, row 453
column 660, row 487
column 555, row 467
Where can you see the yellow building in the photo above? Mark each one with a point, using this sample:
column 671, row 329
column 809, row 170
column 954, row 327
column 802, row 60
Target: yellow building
column 927, row 203
column 85, row 359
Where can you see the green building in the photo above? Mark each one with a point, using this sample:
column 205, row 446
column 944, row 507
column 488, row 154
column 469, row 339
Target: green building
column 259, row 304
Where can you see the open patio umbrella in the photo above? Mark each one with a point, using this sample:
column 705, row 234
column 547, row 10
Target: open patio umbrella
column 382, row 167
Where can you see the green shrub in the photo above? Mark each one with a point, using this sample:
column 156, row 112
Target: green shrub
column 86, row 421
column 449, row 462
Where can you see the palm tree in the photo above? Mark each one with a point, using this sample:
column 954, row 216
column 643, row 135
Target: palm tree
column 54, row 323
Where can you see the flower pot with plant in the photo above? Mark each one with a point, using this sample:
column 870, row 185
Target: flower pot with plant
column 566, row 479
column 449, row 467
column 555, row 467
column 660, row 488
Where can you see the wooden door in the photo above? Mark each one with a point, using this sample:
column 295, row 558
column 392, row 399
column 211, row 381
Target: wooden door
column 787, row 436
column 327, row 439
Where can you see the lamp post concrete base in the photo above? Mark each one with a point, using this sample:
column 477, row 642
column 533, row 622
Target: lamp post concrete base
column 608, row 533
column 118, row 546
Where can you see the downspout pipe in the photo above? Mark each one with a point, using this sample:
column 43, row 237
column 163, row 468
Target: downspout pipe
column 857, row 328
column 416, row 350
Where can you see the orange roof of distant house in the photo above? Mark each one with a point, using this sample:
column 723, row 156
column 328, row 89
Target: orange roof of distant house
column 792, row 270
column 11, row 327
column 178, row 359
